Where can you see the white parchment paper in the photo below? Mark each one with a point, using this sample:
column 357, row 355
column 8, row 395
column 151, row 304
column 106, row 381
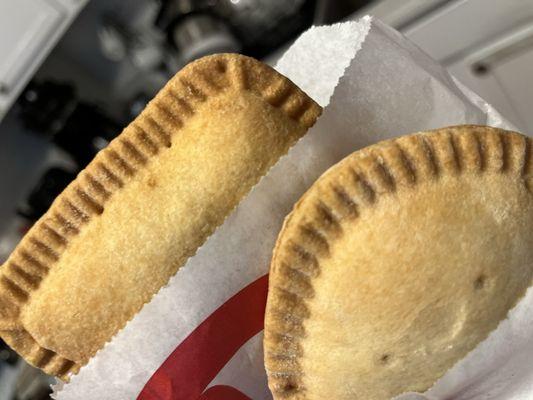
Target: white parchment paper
column 374, row 85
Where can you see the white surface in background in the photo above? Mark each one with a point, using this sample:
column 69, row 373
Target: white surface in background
column 399, row 13
column 389, row 88
column 25, row 26
column 29, row 29
column 8, row 379
column 460, row 35
column 463, row 25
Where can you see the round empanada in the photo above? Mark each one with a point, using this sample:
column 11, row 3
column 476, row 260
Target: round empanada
column 397, row 262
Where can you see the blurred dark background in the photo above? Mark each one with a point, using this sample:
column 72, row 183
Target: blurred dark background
column 73, row 73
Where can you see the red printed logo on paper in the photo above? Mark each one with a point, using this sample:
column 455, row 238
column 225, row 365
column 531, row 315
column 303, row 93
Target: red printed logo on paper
column 196, row 361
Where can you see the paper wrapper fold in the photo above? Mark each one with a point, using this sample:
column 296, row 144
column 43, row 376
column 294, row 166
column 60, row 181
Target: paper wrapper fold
column 201, row 336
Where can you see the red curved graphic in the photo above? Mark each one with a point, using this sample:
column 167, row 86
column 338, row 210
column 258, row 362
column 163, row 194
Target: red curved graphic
column 223, row 393
column 196, row 361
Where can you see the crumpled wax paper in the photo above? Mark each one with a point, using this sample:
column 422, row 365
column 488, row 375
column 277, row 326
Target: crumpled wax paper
column 374, row 85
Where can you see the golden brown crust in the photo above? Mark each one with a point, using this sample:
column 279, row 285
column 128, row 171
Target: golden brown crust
column 43, row 312
column 318, row 342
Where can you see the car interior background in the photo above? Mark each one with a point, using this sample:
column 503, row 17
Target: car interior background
column 73, row 73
